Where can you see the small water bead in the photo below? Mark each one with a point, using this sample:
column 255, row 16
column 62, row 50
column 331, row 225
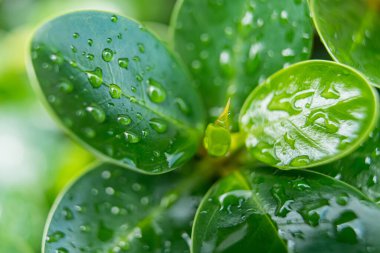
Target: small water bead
column 124, row 120
column 288, row 52
column 182, row 106
column 90, row 42
column 119, row 36
column 66, row 87
column 73, row 49
column 139, row 78
column 156, row 91
column 131, row 137
column 141, row 47
column 115, row 91
column 205, row 38
column 139, row 116
column 107, row 55
column 136, row 59
column 114, row 18
column 72, row 64
column 109, row 40
column 299, row 161
column 97, row 113
column 61, row 250
column 67, row 214
column 95, row 77
column 123, row 63
column 89, row 132
column 84, row 228
column 90, row 56
column 159, row 125
column 106, row 174
column 55, row 237
column 110, row 191
column 196, row 64
column 76, row 35
column 284, row 17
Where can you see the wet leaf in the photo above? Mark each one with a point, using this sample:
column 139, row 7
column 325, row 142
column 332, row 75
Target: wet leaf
column 309, row 114
column 110, row 209
column 232, row 46
column 118, row 90
column 274, row 211
column 361, row 168
column 350, row 31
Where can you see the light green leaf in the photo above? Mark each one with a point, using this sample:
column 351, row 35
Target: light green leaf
column 232, row 46
column 309, row 114
column 272, row 211
column 117, row 89
column 350, row 31
column 110, row 209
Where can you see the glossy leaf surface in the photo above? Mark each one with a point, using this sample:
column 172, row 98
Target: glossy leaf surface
column 350, row 31
column 361, row 168
column 273, row 211
column 110, row 209
column 308, row 114
column 232, row 46
column 118, row 90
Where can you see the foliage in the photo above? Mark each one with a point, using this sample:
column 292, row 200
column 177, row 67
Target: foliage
column 121, row 92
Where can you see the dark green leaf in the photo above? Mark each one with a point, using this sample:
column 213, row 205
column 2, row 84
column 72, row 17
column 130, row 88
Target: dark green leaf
column 361, row 168
column 350, row 31
column 118, row 90
column 232, row 46
column 110, row 209
column 309, row 114
column 272, row 211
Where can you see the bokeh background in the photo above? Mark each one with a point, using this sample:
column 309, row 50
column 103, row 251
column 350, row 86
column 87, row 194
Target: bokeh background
column 36, row 159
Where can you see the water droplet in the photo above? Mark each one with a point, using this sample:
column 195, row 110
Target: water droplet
column 106, row 174
column 61, row 250
column 342, row 199
column 131, row 137
column 156, row 92
column 288, row 52
column 159, row 125
column 109, row 40
column 90, row 42
column 123, row 63
column 139, row 116
column 124, row 120
column 115, row 91
column 55, row 237
column 182, row 106
column 114, row 18
column 300, row 161
column 119, row 36
column 90, row 56
column 110, row 191
column 107, row 55
column 283, row 201
column 66, row 87
column 73, row 49
column 89, row 132
column 95, row 77
column 139, row 78
column 97, row 113
column 344, row 231
column 75, row 35
column 141, row 47
column 67, row 214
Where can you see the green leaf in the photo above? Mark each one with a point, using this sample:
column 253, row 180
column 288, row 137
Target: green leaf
column 309, row 114
column 350, row 31
column 110, row 209
column 273, row 211
column 118, row 89
column 232, row 46
column 361, row 168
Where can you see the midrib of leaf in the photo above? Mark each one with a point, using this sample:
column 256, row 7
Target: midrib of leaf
column 179, row 124
column 238, row 175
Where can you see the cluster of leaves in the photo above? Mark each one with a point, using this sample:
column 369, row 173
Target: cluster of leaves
column 119, row 91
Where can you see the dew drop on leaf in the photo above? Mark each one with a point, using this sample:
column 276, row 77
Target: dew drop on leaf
column 124, row 120
column 97, row 113
column 95, row 77
column 114, row 18
column 66, row 87
column 156, row 92
column 131, row 137
column 55, row 237
column 123, row 63
column 159, row 125
column 115, row 91
column 107, row 55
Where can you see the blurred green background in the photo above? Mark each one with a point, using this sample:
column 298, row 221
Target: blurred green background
column 36, row 159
